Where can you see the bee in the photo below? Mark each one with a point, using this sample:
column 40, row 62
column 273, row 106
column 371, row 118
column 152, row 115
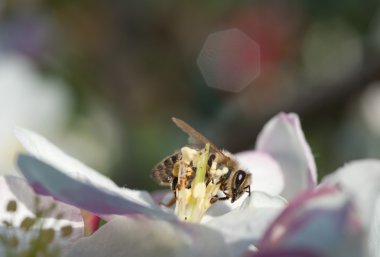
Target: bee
column 233, row 184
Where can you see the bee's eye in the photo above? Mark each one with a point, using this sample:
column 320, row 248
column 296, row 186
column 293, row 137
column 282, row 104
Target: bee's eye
column 239, row 179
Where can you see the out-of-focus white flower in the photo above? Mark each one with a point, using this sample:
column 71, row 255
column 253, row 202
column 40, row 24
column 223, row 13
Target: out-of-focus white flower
column 284, row 165
column 24, row 217
column 42, row 103
column 29, row 100
column 370, row 108
column 94, row 137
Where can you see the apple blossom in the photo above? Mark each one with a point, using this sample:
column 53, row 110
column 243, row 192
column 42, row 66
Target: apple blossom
column 281, row 164
column 30, row 223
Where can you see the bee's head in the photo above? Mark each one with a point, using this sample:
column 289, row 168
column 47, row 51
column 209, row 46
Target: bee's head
column 240, row 184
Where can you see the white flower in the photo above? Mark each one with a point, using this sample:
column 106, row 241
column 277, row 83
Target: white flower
column 281, row 164
column 24, row 216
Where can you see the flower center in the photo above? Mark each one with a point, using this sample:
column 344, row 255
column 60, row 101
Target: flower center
column 196, row 185
column 31, row 236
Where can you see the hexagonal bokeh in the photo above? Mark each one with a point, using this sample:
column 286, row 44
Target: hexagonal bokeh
column 229, row 60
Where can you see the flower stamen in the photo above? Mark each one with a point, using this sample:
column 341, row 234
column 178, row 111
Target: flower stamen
column 41, row 235
column 194, row 191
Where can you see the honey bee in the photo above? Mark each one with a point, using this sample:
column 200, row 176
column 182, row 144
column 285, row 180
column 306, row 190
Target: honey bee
column 233, row 184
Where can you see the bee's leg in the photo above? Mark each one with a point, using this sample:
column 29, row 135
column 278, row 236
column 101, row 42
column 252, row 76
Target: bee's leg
column 174, row 198
column 171, row 202
column 219, row 182
column 174, row 184
column 217, row 198
column 248, row 190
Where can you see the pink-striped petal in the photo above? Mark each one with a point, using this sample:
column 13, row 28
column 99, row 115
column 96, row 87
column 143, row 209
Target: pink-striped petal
column 282, row 138
column 361, row 179
column 322, row 221
column 284, row 253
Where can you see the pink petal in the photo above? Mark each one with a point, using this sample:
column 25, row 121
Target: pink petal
column 267, row 175
column 282, row 138
column 47, row 180
column 142, row 237
column 322, row 221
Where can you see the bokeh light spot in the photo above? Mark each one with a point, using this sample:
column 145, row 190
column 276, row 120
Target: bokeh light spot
column 229, row 60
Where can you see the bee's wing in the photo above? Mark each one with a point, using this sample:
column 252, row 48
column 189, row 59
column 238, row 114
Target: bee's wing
column 162, row 172
column 196, row 138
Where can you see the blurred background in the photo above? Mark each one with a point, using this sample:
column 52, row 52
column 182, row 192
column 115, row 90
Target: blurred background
column 101, row 79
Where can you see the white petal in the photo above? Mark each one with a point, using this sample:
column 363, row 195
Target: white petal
column 263, row 200
column 42, row 149
column 362, row 180
column 45, row 151
column 283, row 139
column 267, row 175
column 141, row 237
column 244, row 227
column 218, row 209
column 374, row 231
column 48, row 180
